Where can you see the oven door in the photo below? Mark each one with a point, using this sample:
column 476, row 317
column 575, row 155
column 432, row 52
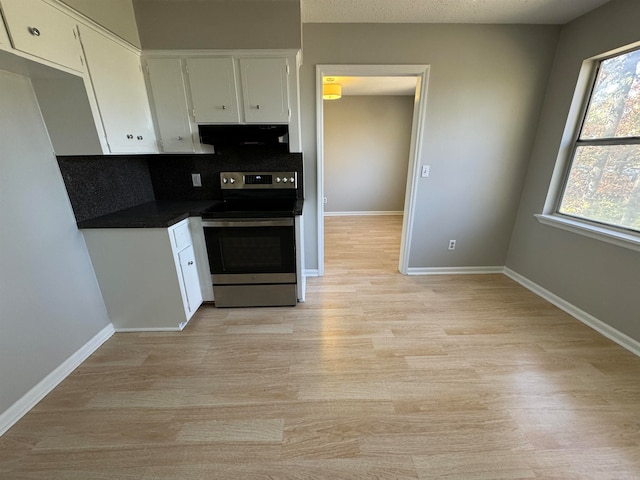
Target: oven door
column 251, row 251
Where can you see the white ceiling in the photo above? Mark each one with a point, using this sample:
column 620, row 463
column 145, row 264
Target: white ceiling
column 431, row 11
column 434, row 11
column 446, row 11
column 375, row 85
column 438, row 11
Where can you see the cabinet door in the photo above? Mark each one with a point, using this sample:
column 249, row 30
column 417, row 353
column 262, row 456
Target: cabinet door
column 121, row 95
column 44, row 31
column 264, row 90
column 213, row 90
column 170, row 104
column 189, row 277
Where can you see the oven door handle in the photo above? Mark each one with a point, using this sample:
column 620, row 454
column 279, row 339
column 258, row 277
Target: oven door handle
column 267, row 222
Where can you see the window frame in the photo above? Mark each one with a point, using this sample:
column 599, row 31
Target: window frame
column 551, row 215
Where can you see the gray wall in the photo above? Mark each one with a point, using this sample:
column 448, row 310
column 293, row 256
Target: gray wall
column 213, row 24
column 599, row 278
column 114, row 15
column 366, row 138
column 486, row 91
column 50, row 303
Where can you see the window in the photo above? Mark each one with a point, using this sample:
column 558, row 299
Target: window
column 603, row 182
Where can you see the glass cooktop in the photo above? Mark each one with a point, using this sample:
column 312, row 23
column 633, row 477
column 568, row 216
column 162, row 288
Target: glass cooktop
column 247, row 208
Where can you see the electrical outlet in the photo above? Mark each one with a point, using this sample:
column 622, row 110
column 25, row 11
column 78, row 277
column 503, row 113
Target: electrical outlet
column 324, row 199
column 452, row 244
column 426, row 169
column 196, row 180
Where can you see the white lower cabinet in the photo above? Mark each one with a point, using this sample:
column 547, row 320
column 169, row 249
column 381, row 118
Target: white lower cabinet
column 202, row 258
column 190, row 282
column 148, row 276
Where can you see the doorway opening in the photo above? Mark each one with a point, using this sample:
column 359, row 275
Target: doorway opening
column 419, row 75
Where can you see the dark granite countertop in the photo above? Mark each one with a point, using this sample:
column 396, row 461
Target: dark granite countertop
column 157, row 214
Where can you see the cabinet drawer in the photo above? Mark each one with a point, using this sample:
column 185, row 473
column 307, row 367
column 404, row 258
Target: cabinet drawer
column 181, row 236
column 44, row 31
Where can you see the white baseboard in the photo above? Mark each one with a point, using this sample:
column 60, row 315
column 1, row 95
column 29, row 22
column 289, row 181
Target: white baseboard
column 599, row 326
column 314, row 272
column 454, row 270
column 142, row 330
column 360, row 214
column 16, row 411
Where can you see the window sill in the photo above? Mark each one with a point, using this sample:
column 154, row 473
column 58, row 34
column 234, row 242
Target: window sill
column 609, row 235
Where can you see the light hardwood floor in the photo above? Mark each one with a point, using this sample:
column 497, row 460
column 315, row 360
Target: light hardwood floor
column 377, row 375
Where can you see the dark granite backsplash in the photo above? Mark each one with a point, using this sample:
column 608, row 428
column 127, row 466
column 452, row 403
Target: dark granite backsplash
column 171, row 174
column 98, row 185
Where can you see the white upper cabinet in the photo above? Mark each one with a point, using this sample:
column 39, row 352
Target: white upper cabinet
column 213, row 90
column 120, row 92
column 264, row 90
column 170, row 102
column 42, row 30
column 218, row 88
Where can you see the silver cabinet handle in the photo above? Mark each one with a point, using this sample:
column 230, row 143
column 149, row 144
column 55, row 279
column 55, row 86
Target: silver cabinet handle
column 179, row 138
column 189, row 263
column 258, row 107
column 34, row 31
column 224, row 107
column 140, row 137
column 129, row 136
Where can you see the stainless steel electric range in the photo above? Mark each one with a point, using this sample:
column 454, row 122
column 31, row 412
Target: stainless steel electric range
column 250, row 238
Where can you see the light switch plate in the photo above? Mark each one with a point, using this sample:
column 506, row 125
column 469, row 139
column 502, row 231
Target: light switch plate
column 195, row 178
column 426, row 169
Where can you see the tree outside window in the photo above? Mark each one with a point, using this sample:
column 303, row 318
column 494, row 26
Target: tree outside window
column 603, row 183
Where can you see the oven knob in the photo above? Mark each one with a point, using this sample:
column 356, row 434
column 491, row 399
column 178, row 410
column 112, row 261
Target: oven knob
column 224, row 180
column 278, row 179
column 232, row 180
column 292, row 180
column 285, row 179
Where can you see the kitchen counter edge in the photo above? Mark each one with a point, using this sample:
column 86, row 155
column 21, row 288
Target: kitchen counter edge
column 157, row 214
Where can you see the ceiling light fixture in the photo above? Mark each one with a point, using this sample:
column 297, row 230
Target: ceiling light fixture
column 331, row 91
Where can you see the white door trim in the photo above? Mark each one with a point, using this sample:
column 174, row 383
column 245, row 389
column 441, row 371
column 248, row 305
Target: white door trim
column 421, row 72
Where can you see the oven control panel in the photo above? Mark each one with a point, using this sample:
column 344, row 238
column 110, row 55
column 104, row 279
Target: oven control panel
column 258, row 180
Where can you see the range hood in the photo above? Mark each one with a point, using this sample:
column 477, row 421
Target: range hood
column 244, row 135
